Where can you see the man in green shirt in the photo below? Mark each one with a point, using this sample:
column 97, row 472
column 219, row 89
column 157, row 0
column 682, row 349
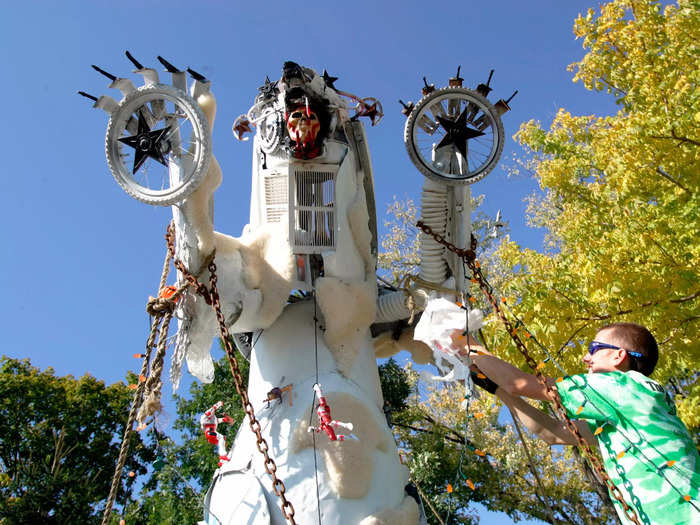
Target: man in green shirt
column 647, row 451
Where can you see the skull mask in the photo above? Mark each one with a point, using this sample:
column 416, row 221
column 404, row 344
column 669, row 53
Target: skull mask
column 303, row 126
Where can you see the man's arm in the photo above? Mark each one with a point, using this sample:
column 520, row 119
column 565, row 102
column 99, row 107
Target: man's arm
column 511, row 379
column 552, row 431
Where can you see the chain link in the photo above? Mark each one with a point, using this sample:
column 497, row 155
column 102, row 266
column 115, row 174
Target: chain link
column 469, row 258
column 211, row 296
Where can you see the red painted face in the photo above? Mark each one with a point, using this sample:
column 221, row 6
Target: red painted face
column 303, row 126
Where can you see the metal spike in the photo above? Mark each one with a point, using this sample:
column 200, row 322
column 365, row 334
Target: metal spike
column 488, row 82
column 511, row 97
column 108, row 75
column 87, row 95
column 407, row 108
column 196, row 76
column 136, row 63
column 168, row 66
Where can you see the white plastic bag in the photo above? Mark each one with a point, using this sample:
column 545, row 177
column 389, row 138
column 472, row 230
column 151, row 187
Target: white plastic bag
column 441, row 319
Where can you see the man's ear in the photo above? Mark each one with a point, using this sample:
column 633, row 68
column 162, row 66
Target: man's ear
column 619, row 357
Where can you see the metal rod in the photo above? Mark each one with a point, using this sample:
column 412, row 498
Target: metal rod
column 136, row 63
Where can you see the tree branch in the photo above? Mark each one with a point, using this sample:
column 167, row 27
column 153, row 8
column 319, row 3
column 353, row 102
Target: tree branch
column 665, row 175
column 603, row 317
column 675, row 136
column 425, row 430
column 573, row 334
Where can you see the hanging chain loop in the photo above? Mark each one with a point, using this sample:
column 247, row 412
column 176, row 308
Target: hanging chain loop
column 211, row 296
column 469, row 258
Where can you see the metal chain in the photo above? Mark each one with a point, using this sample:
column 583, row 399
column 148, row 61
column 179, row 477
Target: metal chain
column 211, row 296
column 469, row 258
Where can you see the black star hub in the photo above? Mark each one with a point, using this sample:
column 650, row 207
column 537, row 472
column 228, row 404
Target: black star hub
column 147, row 143
column 457, row 133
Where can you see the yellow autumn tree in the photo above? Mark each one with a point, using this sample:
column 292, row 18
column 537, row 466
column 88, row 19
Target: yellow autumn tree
column 619, row 199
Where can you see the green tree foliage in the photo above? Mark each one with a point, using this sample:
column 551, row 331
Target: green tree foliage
column 621, row 200
column 59, row 442
column 395, row 386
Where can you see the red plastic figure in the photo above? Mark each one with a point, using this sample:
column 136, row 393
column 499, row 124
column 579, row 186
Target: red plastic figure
column 326, row 422
column 209, row 424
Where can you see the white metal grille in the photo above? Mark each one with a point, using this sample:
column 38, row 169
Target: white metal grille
column 312, row 223
column 276, row 196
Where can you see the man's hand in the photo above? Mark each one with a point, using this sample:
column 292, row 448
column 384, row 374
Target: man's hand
column 466, row 344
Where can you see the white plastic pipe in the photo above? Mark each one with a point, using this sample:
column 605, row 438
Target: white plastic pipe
column 434, row 214
column 392, row 307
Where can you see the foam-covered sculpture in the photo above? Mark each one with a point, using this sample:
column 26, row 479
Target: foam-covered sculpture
column 312, row 228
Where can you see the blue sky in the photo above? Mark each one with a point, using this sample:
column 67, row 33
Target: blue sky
column 80, row 257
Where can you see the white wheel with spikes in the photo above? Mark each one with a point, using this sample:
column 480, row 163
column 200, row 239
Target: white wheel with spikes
column 158, row 144
column 454, row 136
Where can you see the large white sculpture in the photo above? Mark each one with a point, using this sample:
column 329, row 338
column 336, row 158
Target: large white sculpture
column 312, row 228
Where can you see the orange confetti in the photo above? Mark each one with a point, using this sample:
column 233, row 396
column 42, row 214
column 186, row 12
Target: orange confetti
column 670, row 462
column 470, row 484
column 449, row 488
column 139, row 356
column 475, row 281
column 480, row 453
column 142, row 378
column 478, row 414
column 476, row 263
column 480, row 375
column 459, row 304
column 141, row 427
column 472, row 299
column 514, row 332
column 560, row 379
column 579, row 410
column 132, row 387
column 528, row 335
column 621, row 455
column 686, row 497
column 598, row 431
column 540, row 365
column 132, row 474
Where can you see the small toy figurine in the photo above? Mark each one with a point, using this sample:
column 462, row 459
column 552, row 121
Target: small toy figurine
column 209, row 423
column 326, row 423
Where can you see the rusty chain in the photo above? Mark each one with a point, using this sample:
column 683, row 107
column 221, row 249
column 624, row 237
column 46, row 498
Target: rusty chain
column 211, row 296
column 468, row 256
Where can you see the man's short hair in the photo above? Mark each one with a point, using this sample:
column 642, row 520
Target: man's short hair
column 637, row 338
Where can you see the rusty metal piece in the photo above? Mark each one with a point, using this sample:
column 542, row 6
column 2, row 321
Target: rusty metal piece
column 456, row 81
column 468, row 256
